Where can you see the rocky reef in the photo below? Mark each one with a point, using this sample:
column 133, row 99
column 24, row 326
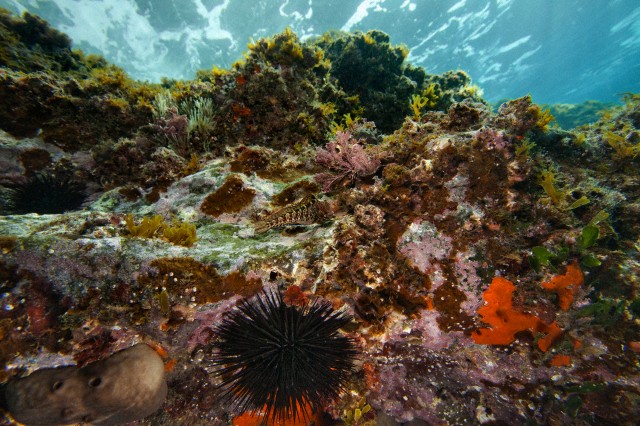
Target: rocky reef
column 489, row 261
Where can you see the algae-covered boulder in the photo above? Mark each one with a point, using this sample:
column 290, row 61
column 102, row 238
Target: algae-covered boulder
column 367, row 65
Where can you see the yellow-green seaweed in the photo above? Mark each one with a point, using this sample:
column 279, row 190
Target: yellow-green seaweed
column 179, row 233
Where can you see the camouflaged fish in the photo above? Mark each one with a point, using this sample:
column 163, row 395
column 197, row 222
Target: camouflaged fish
column 307, row 211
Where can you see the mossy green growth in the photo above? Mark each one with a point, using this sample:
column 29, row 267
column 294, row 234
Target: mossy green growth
column 29, row 44
column 582, row 201
column 353, row 416
column 178, row 233
column 601, row 216
column 574, row 401
column 634, row 308
column 114, row 81
column 553, row 258
column 149, row 227
column 569, row 116
column 560, row 197
column 544, row 118
column 432, row 97
column 450, row 87
column 285, row 49
column 524, row 148
column 605, row 312
column 588, row 238
column 369, row 66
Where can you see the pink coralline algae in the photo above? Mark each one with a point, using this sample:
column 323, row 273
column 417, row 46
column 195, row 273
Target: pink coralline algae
column 395, row 394
column 345, row 158
column 492, row 139
column 207, row 320
column 425, row 329
column 468, row 280
column 425, row 246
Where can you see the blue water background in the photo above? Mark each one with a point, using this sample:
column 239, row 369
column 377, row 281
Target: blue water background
column 559, row 51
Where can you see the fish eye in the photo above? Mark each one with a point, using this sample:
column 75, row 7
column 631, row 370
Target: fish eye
column 56, row 385
column 95, row 382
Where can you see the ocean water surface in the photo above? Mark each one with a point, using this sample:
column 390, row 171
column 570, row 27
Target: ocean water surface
column 558, row 51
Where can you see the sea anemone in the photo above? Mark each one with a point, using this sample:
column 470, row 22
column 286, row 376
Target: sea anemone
column 46, row 193
column 274, row 359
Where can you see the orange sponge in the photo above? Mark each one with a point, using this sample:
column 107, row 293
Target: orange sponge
column 565, row 286
column 505, row 321
column 560, row 360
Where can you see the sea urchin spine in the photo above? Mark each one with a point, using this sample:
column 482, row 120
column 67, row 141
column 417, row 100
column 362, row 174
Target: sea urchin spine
column 46, row 193
column 279, row 358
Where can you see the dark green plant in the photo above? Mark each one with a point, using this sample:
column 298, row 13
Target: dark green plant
column 367, row 65
column 574, row 401
column 634, row 308
column 588, row 236
column 605, row 312
column 542, row 256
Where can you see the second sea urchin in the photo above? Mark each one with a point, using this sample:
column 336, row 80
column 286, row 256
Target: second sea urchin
column 278, row 359
column 46, row 193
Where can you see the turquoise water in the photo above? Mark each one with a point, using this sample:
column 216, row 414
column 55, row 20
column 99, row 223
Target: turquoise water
column 559, row 51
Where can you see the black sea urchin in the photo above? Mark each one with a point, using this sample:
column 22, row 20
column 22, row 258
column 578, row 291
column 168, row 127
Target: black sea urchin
column 280, row 358
column 46, row 193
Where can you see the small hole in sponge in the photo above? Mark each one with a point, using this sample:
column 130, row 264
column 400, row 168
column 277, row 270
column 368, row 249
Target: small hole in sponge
column 56, row 385
column 95, row 382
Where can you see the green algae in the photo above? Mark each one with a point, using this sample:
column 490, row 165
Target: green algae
column 226, row 245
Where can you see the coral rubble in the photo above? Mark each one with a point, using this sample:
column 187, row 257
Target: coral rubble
column 489, row 260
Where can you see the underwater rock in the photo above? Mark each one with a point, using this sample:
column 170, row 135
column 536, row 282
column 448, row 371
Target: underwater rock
column 126, row 386
column 423, row 220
